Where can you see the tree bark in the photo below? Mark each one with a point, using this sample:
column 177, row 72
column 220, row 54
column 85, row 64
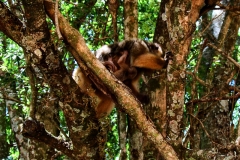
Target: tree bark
column 130, row 105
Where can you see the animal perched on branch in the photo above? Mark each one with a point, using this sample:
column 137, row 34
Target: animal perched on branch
column 127, row 60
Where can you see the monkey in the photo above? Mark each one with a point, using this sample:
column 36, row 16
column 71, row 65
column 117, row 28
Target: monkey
column 131, row 58
column 121, row 70
column 142, row 56
column 125, row 71
column 102, row 103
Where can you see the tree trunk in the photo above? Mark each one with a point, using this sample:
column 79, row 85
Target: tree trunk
column 218, row 119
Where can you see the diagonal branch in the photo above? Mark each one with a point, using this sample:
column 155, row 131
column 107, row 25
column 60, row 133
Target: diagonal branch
column 10, row 25
column 236, row 96
column 132, row 107
column 224, row 54
column 35, row 130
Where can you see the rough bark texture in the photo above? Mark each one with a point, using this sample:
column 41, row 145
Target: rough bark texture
column 113, row 6
column 161, row 34
column 131, row 32
column 16, row 123
column 156, row 87
column 181, row 18
column 160, row 133
column 218, row 119
column 130, row 19
column 42, row 54
column 130, row 105
column 122, row 131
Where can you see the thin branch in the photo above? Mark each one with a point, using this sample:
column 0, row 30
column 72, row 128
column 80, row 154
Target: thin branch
column 36, row 131
column 209, row 24
column 113, row 6
column 12, row 99
column 234, row 88
column 224, row 54
column 194, row 73
column 56, row 21
column 6, row 97
column 202, row 125
column 236, row 96
column 197, row 78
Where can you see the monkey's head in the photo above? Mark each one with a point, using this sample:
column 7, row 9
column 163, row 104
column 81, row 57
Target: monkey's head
column 101, row 52
column 156, row 49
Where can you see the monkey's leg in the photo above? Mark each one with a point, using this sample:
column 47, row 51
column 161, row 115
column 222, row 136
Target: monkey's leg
column 105, row 106
column 122, row 58
column 134, row 86
column 125, row 73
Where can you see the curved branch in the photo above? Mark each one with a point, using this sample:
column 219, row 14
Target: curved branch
column 36, row 131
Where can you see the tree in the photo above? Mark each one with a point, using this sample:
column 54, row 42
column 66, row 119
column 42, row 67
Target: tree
column 190, row 101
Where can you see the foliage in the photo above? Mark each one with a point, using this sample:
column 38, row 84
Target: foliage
column 13, row 76
column 112, row 147
column 147, row 18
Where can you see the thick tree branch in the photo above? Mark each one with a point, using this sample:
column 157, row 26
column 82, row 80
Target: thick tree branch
column 35, row 130
column 195, row 10
column 10, row 25
column 130, row 105
column 56, row 21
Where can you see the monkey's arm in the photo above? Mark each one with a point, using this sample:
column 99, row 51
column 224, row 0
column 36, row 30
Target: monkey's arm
column 151, row 61
column 126, row 71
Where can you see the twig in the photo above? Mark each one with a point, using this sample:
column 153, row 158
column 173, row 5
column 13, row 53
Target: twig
column 6, row 97
column 201, row 125
column 11, row 99
column 224, row 54
column 236, row 96
column 207, row 134
column 210, row 23
column 56, row 21
column 197, row 78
